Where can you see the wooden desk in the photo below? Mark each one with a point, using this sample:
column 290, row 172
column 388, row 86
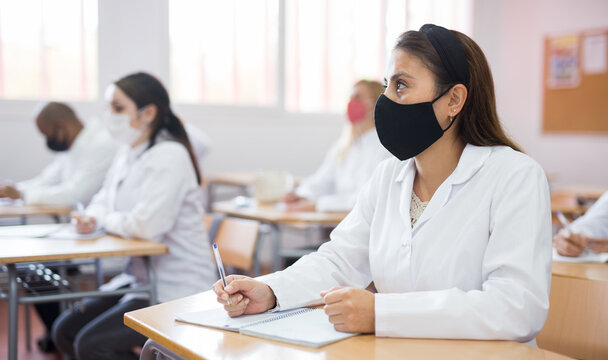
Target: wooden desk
column 271, row 214
column 275, row 217
column 23, row 250
column 584, row 192
column 577, row 324
column 30, row 210
column 567, row 203
column 583, row 271
column 239, row 179
column 198, row 342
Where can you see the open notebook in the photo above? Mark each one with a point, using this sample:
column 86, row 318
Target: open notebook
column 51, row 231
column 308, row 327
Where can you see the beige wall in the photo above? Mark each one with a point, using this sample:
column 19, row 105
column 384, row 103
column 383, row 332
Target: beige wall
column 511, row 32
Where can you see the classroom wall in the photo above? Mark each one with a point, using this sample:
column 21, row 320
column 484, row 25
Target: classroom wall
column 137, row 39
column 512, row 32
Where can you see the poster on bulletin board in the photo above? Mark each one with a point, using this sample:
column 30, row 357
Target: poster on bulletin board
column 575, row 83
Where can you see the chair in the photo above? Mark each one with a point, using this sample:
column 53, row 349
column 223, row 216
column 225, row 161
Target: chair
column 237, row 240
column 577, row 324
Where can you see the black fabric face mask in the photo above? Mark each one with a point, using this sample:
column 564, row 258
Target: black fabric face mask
column 56, row 145
column 406, row 130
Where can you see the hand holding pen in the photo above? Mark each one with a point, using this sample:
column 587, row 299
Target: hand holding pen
column 241, row 294
column 84, row 224
column 567, row 242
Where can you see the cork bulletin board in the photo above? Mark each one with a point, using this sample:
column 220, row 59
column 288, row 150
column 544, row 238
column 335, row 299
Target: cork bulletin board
column 575, row 83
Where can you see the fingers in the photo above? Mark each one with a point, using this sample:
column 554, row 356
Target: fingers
column 238, row 308
column 334, row 295
column 85, row 225
column 338, row 319
column 240, row 284
column 579, row 240
column 566, row 248
column 223, row 294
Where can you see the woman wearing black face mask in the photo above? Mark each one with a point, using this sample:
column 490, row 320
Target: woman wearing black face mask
column 455, row 231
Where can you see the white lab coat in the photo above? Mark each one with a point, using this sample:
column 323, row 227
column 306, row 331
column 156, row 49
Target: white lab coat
column 74, row 175
column 476, row 265
column 153, row 194
column 200, row 141
column 335, row 185
column 595, row 221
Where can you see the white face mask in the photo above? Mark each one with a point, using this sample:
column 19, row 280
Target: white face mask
column 120, row 128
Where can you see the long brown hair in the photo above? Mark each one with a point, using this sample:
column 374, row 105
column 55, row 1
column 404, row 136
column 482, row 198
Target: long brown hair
column 144, row 89
column 478, row 122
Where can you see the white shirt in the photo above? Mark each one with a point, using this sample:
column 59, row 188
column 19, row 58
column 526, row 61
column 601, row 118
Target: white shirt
column 153, row 194
column 75, row 175
column 335, row 185
column 200, row 141
column 595, row 221
column 476, row 265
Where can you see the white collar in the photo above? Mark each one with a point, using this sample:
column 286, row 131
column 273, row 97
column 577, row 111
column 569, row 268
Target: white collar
column 471, row 160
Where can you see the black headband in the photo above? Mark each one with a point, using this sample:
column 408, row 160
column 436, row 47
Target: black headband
column 450, row 52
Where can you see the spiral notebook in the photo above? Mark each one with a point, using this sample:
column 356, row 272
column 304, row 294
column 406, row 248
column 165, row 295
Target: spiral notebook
column 308, row 327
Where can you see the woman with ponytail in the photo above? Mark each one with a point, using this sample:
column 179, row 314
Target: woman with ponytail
column 152, row 191
column 454, row 231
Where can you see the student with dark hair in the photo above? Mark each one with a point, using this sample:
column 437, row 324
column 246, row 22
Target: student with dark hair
column 84, row 153
column 151, row 192
column 454, row 231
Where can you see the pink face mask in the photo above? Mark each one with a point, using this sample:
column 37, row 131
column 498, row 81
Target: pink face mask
column 356, row 111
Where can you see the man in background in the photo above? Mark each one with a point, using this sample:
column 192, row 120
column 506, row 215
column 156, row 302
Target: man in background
column 84, row 154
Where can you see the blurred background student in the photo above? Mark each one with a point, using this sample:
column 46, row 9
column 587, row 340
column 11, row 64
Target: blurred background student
column 152, row 191
column 588, row 231
column 349, row 163
column 84, row 154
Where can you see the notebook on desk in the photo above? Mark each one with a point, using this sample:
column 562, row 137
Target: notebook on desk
column 51, row 231
column 308, row 327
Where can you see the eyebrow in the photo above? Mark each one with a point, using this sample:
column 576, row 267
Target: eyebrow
column 398, row 74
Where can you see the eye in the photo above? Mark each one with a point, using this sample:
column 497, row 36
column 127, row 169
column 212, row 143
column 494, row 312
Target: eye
column 401, row 85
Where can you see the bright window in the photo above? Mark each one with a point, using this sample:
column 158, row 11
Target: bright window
column 227, row 52
column 48, row 49
column 224, row 52
column 330, row 44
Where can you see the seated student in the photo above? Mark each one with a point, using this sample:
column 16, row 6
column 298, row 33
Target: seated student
column 151, row 192
column 349, row 163
column 588, row 231
column 455, row 232
column 85, row 153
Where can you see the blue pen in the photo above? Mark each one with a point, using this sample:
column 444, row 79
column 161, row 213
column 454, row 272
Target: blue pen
column 220, row 268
